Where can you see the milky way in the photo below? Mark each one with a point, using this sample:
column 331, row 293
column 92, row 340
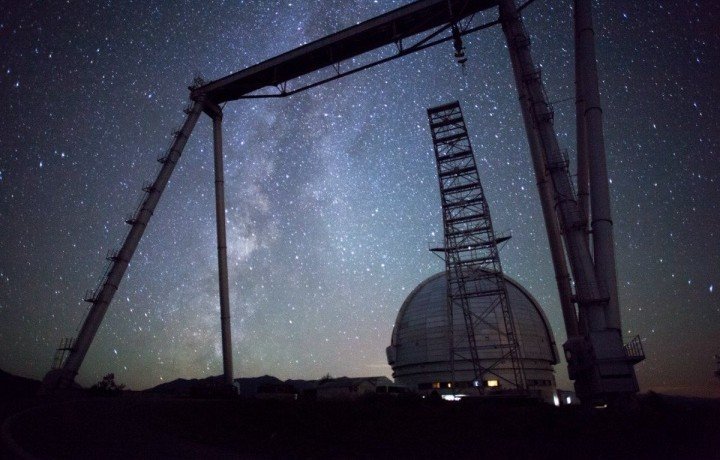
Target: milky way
column 332, row 199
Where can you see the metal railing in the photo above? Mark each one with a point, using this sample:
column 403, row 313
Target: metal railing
column 634, row 350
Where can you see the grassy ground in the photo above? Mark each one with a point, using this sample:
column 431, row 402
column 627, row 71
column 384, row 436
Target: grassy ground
column 143, row 426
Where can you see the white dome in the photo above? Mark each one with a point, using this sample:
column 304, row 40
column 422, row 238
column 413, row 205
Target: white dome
column 419, row 351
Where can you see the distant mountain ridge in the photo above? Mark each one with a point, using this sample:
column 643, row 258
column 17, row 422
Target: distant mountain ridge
column 13, row 386
column 248, row 385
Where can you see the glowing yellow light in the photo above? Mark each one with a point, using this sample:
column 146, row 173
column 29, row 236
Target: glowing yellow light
column 493, row 383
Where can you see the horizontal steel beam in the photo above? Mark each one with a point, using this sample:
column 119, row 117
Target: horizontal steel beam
column 391, row 27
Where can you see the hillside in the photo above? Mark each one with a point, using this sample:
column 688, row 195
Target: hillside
column 12, row 386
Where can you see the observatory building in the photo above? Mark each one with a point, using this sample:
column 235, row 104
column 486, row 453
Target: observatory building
column 419, row 351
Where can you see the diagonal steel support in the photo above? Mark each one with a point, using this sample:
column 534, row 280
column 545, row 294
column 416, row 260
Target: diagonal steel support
column 597, row 359
column 101, row 299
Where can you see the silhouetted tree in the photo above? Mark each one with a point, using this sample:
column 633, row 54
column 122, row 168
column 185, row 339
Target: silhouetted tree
column 107, row 386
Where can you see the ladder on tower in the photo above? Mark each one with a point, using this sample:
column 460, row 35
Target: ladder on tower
column 475, row 281
column 62, row 351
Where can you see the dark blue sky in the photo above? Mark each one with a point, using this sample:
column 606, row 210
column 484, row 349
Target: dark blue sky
column 331, row 194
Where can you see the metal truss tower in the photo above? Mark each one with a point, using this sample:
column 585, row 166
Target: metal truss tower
column 476, row 286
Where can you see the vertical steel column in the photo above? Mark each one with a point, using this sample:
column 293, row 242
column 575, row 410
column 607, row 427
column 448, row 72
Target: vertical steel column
column 581, row 136
column 222, row 247
column 597, row 359
column 602, row 225
column 64, row 377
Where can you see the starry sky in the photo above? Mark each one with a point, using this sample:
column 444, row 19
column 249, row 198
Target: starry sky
column 332, row 199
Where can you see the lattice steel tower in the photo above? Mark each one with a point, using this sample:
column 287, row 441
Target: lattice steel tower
column 476, row 286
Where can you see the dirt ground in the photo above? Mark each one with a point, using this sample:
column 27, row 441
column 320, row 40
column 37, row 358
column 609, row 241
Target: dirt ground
column 136, row 425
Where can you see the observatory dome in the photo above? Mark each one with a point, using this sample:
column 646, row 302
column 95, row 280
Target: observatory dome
column 419, row 351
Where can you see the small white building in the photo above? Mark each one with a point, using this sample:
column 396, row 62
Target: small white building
column 352, row 388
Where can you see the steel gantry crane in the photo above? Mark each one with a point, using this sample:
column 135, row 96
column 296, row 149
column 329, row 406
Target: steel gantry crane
column 600, row 364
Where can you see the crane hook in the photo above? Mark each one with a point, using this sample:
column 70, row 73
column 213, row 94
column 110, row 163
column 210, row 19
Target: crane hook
column 458, row 45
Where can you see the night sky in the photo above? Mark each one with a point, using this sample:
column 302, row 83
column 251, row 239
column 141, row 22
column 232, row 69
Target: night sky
column 332, row 196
